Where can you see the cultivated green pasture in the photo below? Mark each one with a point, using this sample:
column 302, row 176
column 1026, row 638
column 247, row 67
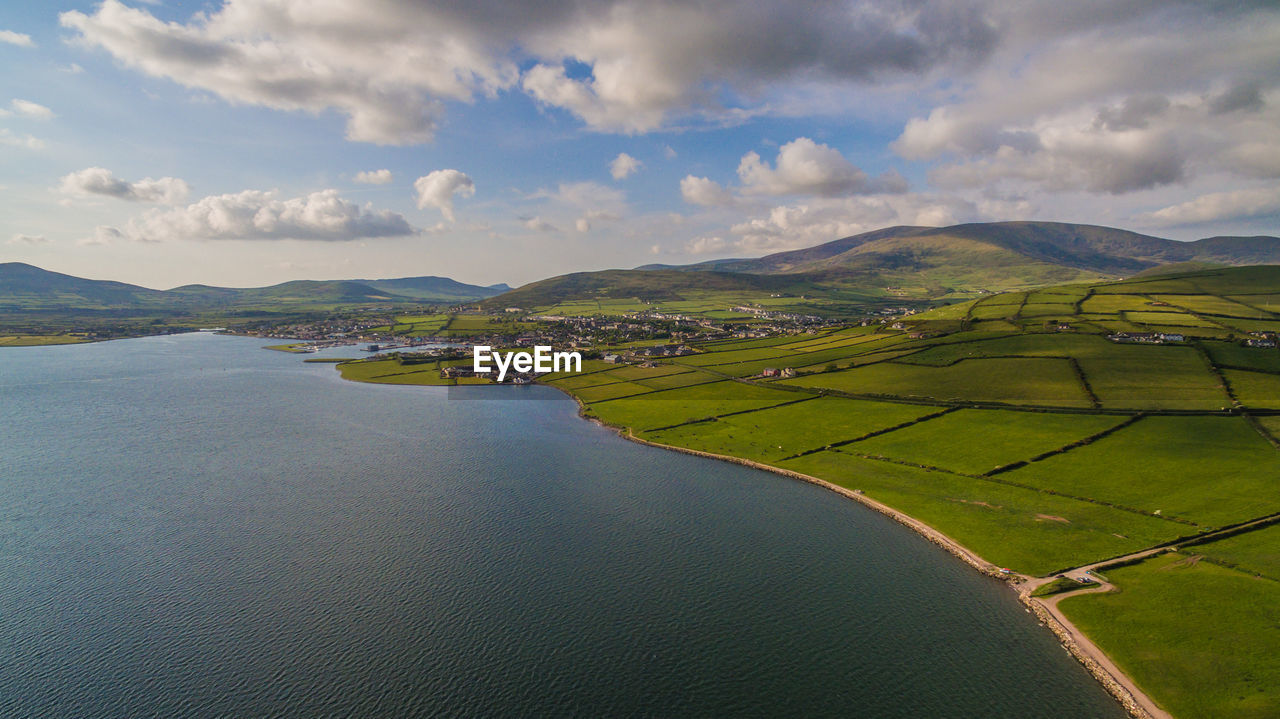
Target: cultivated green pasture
column 1033, row 381
column 977, row 441
column 1211, row 305
column 392, row 372
column 1212, row 471
column 668, row 407
column 1168, row 319
column 36, row 340
column 771, row 434
column 1113, row 304
column 1199, row 638
column 1232, row 354
column 1047, row 310
column 1153, row 377
column 1255, row 389
column 1255, row 552
column 1022, row 529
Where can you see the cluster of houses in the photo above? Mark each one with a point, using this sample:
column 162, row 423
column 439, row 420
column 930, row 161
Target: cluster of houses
column 1148, row 338
column 785, row 372
column 646, row 353
column 1265, row 340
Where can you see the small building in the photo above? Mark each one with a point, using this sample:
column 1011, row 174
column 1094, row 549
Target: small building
column 788, row 372
column 770, row 372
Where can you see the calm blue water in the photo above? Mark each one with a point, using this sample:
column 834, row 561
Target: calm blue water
column 192, row 526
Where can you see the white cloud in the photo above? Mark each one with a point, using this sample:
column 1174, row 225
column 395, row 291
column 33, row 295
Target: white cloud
column 1114, row 100
column 704, row 191
column 787, row 227
column 387, row 70
column 16, row 38
column 100, row 181
column 669, row 152
column 20, row 239
column 591, row 202
column 102, row 236
column 391, row 67
column 623, row 166
column 374, row 177
column 258, row 215
column 706, row 245
column 805, row 167
column 437, row 189
column 652, row 59
column 72, row 69
column 26, row 108
column 537, row 224
column 1216, row 206
column 25, row 141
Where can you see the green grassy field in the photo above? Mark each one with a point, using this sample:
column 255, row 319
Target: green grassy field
column 37, row 340
column 772, row 434
column 1207, row 470
column 1029, row 531
column 1034, row 381
column 978, row 441
column 1198, row 637
column 1256, row 552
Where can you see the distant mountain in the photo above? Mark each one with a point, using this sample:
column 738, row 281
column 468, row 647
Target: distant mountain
column 436, row 288
column 927, row 262
column 1090, row 248
column 651, row 286
column 26, row 288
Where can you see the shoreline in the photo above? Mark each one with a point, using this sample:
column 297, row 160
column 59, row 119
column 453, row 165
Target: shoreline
column 1119, row 685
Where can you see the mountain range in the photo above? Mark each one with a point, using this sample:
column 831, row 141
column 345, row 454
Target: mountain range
column 925, row 262
column 904, row 261
column 26, row 288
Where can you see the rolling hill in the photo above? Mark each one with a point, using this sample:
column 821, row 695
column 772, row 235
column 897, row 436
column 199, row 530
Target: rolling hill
column 646, row 285
column 1090, row 248
column 917, row 263
column 26, row 288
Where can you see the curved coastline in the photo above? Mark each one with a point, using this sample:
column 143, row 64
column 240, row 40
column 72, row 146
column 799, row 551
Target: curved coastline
column 1119, row 685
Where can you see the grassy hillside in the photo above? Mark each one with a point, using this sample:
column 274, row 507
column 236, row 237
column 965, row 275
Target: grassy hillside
column 914, row 263
column 646, row 286
column 1090, row 248
column 24, row 286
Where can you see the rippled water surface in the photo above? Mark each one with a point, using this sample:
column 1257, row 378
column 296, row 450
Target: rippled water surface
column 192, row 526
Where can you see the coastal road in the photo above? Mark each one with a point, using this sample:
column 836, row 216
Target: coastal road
column 1098, row 584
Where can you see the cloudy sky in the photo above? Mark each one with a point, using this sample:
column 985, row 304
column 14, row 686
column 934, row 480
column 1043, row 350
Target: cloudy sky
column 247, row 142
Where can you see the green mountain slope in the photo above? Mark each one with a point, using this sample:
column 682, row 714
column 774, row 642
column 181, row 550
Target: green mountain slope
column 647, row 285
column 26, row 288
column 1090, row 248
column 435, row 289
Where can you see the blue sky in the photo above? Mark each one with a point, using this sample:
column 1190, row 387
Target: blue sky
column 170, row 143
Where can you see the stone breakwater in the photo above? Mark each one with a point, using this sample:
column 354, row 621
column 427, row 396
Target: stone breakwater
column 1104, row 677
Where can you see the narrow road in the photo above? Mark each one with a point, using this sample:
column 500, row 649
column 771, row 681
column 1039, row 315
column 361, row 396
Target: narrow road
column 1093, row 583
